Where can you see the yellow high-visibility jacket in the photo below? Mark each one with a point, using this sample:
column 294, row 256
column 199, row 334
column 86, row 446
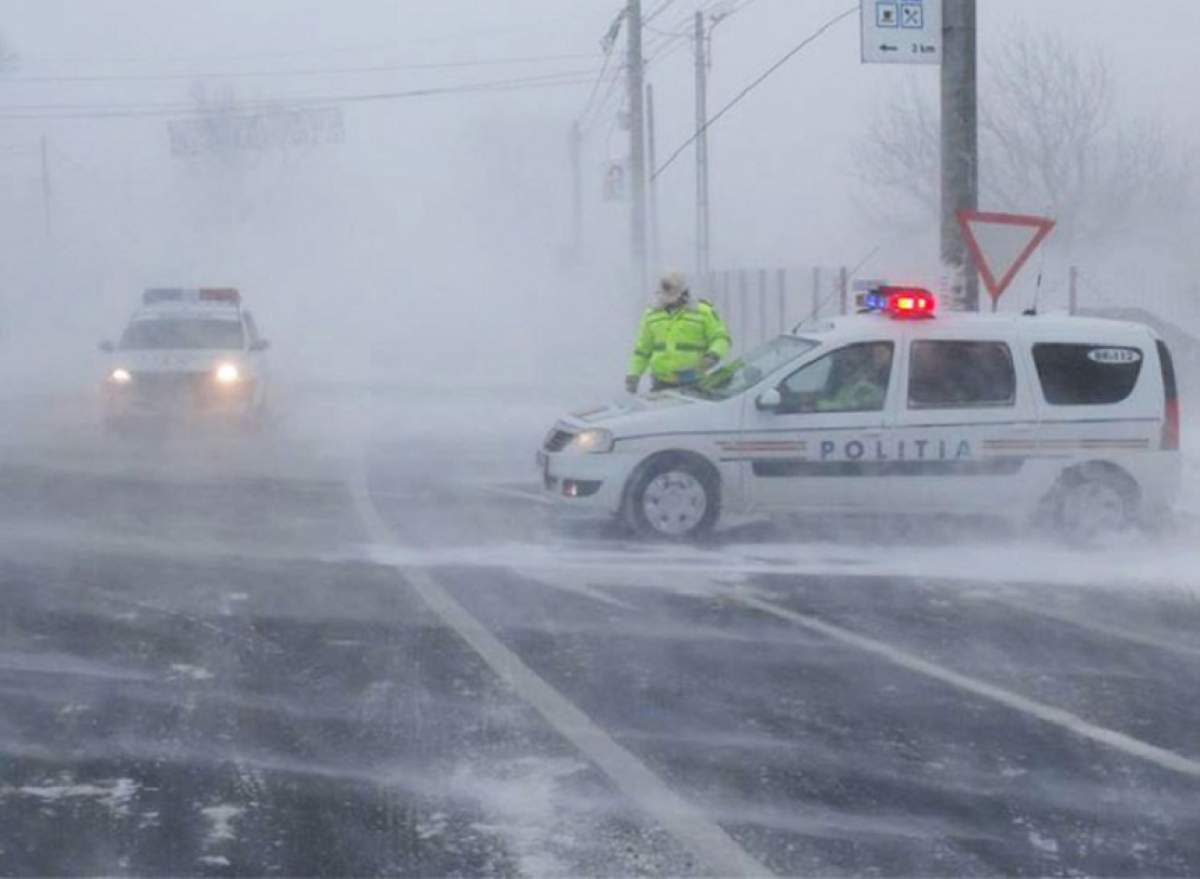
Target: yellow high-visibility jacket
column 670, row 342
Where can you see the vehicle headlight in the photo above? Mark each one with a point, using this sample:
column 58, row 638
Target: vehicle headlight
column 592, row 441
column 228, row 374
column 120, row 376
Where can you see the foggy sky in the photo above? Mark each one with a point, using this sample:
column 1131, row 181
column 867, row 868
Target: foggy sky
column 448, row 216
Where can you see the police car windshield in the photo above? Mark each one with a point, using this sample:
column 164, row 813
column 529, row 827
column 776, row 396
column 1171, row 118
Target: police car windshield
column 741, row 375
column 183, row 333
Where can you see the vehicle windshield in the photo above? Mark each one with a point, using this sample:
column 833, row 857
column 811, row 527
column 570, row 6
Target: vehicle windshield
column 187, row 334
column 742, row 374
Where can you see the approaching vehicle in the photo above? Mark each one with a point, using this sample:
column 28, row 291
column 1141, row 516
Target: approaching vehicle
column 186, row 352
column 894, row 411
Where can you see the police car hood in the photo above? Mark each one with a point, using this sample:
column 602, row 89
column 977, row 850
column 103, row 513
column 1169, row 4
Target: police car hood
column 173, row 361
column 657, row 409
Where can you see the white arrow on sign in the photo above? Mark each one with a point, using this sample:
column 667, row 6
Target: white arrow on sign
column 1001, row 244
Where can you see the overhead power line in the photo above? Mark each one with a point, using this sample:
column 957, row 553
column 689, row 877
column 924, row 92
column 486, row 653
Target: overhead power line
column 306, row 71
column 608, row 44
column 192, row 110
column 752, row 86
column 663, row 7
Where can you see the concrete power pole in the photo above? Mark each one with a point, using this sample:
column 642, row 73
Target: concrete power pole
column 637, row 138
column 960, row 146
column 652, row 157
column 703, row 225
column 576, row 191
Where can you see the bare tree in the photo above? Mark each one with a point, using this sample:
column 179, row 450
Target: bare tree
column 1050, row 140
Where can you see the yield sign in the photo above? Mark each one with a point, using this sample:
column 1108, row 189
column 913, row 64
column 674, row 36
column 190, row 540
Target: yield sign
column 1001, row 244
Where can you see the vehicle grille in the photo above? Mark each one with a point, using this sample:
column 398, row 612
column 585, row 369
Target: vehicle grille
column 170, row 384
column 558, row 440
column 169, row 390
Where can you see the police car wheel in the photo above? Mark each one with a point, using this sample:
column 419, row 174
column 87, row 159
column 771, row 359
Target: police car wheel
column 674, row 499
column 1092, row 507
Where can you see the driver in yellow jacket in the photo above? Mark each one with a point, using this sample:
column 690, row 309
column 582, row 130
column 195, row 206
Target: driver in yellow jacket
column 679, row 341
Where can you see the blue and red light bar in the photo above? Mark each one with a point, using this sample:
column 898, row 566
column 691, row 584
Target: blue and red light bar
column 155, row 295
column 901, row 301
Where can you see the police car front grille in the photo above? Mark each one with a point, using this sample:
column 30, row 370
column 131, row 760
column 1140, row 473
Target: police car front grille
column 166, row 388
column 558, row 440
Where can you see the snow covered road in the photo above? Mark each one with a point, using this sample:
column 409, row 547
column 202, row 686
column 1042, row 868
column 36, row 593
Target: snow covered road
column 387, row 657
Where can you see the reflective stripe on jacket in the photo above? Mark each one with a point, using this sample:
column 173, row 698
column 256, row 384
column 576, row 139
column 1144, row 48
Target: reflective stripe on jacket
column 670, row 342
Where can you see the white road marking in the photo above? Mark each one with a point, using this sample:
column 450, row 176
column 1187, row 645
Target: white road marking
column 1133, row 636
column 707, row 840
column 573, row 584
column 1064, row 719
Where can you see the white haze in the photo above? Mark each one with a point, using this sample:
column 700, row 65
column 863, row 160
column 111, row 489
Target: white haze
column 431, row 247
column 428, row 255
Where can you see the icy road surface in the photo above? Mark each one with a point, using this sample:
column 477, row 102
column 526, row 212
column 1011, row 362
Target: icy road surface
column 359, row 643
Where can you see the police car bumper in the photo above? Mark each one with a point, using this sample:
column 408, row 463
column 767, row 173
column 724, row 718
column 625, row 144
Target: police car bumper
column 583, row 482
column 150, row 396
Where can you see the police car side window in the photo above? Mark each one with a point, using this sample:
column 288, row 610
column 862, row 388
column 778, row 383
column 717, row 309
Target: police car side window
column 850, row 379
column 1086, row 375
column 953, row 374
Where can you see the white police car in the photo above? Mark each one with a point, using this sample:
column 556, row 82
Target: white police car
column 894, row 410
column 186, row 352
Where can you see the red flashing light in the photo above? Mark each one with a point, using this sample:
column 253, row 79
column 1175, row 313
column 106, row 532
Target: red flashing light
column 220, row 294
column 908, row 301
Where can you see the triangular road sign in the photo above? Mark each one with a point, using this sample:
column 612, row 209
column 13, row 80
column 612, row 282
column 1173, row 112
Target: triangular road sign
column 1001, row 244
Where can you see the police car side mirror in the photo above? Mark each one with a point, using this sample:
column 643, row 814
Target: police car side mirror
column 769, row 401
column 107, row 347
column 260, row 345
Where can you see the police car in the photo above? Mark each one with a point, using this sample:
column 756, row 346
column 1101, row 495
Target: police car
column 186, row 352
column 894, row 409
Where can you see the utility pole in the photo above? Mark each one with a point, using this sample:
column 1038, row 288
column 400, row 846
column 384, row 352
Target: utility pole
column 637, row 138
column 46, row 186
column 653, row 159
column 576, row 191
column 960, row 146
column 703, row 227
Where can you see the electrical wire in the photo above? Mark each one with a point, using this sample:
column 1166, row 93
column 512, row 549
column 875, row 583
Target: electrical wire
column 308, row 71
column 666, row 4
column 684, row 33
column 615, row 80
column 752, row 86
column 670, row 52
column 180, row 110
column 609, row 44
column 596, row 86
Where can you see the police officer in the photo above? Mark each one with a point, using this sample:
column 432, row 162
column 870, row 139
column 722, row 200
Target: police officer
column 678, row 340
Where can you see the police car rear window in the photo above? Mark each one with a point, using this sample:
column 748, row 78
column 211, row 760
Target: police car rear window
column 945, row 374
column 1086, row 375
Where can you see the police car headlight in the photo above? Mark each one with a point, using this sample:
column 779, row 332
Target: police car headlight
column 592, row 441
column 120, row 376
column 227, row 374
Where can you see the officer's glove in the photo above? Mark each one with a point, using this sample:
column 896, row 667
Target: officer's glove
column 631, row 383
column 709, row 362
